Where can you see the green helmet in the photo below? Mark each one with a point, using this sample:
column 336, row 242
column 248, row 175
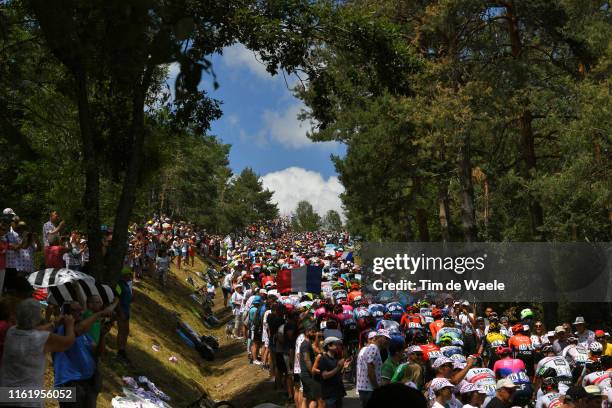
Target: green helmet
column 525, row 313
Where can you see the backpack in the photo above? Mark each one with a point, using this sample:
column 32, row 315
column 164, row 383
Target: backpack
column 258, row 321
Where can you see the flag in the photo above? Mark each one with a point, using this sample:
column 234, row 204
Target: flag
column 306, row 278
column 347, row 256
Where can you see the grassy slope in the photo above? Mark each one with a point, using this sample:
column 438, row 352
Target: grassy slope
column 228, row 377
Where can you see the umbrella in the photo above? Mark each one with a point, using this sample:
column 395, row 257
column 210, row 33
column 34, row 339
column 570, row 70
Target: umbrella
column 56, row 276
column 79, row 291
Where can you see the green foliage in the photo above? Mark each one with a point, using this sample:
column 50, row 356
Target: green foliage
column 493, row 123
column 305, row 218
column 245, row 202
column 332, row 221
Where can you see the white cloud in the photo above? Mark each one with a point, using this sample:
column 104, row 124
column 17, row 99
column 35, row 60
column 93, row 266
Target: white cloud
column 285, row 128
column 294, row 184
column 238, row 56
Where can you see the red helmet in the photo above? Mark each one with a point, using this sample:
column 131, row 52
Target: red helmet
column 503, row 350
column 517, row 328
column 436, row 313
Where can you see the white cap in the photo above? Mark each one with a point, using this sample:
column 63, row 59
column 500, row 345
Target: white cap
column 504, row 383
column 8, row 211
column 440, row 361
column 438, row 383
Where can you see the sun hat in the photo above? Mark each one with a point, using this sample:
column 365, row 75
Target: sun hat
column 440, row 361
column 504, row 383
column 330, row 340
column 579, row 320
column 438, row 383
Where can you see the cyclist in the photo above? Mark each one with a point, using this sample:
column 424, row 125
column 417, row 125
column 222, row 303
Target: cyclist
column 562, row 369
column 377, row 311
column 411, row 316
column 437, row 323
column 602, row 377
column 482, row 377
column 514, row 370
column 549, row 396
column 451, row 330
column 576, row 355
column 520, row 344
column 395, row 310
column 490, row 342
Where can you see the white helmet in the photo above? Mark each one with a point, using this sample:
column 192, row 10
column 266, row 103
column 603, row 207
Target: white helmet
column 596, row 348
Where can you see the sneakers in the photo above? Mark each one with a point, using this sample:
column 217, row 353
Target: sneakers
column 258, row 362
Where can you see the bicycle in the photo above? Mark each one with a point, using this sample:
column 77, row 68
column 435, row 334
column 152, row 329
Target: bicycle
column 206, row 402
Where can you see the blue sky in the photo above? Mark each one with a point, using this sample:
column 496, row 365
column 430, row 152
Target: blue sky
column 260, row 122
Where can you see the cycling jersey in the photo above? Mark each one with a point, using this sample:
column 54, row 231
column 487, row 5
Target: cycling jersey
column 426, row 313
column 354, row 295
column 339, row 295
column 512, row 368
column 361, row 312
column 390, row 325
column 483, row 378
column 449, row 351
column 550, row 400
column 523, row 350
column 430, row 352
column 396, row 310
column 435, row 326
column 377, row 310
column 414, row 318
column 575, row 354
column 603, row 379
column 454, row 332
column 521, row 344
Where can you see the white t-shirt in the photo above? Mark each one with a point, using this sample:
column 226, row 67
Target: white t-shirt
column 236, row 299
column 296, row 364
column 368, row 355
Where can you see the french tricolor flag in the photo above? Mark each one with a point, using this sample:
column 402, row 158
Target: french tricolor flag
column 306, row 278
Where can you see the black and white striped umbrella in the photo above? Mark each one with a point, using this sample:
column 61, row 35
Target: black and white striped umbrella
column 80, row 291
column 50, row 277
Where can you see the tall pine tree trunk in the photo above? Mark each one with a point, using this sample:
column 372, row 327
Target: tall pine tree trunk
column 468, row 213
column 443, row 212
column 91, row 195
column 116, row 255
column 527, row 152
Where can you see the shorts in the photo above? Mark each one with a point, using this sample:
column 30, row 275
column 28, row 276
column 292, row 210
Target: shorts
column 312, row 388
column 256, row 337
column 226, row 292
column 297, row 382
column 281, row 364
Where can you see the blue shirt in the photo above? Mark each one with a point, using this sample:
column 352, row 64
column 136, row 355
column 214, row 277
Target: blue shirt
column 76, row 363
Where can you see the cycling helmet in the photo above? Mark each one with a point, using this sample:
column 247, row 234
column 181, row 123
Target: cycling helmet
column 572, row 339
column 257, row 300
column 448, row 319
column 549, row 383
column 500, row 350
column 494, row 327
column 445, row 339
column 436, row 313
column 526, row 313
column 546, row 372
column 596, row 348
column 517, row 328
column 547, row 348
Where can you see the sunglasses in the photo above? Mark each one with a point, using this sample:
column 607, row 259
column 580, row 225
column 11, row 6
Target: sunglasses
column 599, row 338
column 538, row 325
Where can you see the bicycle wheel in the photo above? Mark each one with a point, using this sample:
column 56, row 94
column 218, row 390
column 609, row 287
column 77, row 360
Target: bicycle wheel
column 223, row 404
